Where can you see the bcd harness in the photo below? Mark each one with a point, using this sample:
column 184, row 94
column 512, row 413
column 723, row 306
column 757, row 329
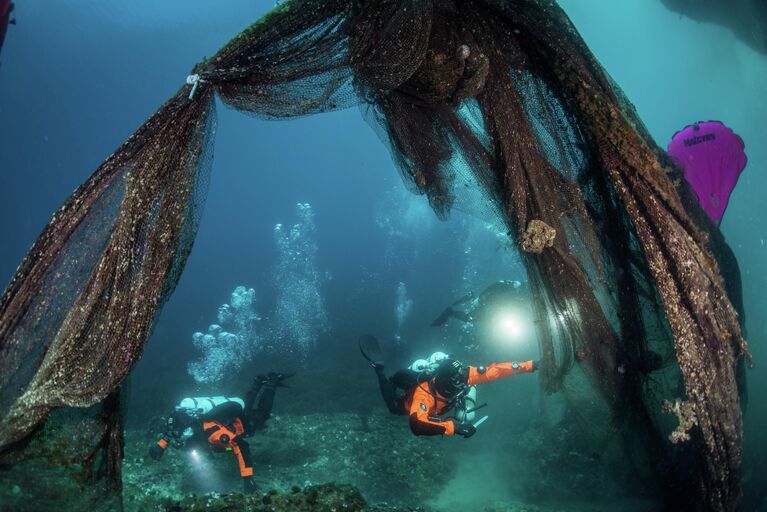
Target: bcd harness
column 452, row 403
column 222, row 437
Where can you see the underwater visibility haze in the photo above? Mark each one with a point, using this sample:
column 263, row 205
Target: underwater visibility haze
column 536, row 283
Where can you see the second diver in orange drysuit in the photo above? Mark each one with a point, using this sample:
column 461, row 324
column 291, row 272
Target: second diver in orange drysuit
column 221, row 424
column 428, row 394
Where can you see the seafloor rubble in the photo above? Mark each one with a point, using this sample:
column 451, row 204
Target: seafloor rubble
column 373, row 461
column 316, row 498
column 315, row 439
column 337, row 461
column 377, row 454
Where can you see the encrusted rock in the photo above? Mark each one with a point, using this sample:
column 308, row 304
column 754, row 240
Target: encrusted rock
column 537, row 237
column 316, row 498
column 687, row 420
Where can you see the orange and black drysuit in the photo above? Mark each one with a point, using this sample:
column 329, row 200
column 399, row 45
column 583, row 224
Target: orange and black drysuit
column 224, row 428
column 229, row 436
column 424, row 404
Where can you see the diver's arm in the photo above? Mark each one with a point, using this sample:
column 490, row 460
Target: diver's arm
column 177, row 432
column 420, row 422
column 478, row 375
column 241, row 450
column 156, row 451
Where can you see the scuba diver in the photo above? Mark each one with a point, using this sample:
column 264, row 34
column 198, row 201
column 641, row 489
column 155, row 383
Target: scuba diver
column 430, row 389
column 221, row 424
column 477, row 307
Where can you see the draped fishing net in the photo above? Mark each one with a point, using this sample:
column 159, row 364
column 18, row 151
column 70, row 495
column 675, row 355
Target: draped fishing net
column 497, row 106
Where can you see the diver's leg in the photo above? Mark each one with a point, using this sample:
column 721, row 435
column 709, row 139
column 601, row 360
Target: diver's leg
column 388, row 391
column 263, row 390
column 460, row 315
column 263, row 410
column 250, row 396
column 463, row 300
column 371, row 351
column 443, row 317
column 449, row 313
column 241, row 450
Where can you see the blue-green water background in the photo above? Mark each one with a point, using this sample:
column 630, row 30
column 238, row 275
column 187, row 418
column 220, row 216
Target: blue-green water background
column 78, row 77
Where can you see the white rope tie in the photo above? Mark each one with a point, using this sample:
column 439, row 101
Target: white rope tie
column 194, row 81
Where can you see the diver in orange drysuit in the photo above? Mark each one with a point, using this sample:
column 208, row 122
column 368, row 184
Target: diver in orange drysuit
column 427, row 396
column 225, row 426
column 429, row 400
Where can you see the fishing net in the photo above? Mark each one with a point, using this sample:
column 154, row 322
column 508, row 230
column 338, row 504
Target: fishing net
column 496, row 106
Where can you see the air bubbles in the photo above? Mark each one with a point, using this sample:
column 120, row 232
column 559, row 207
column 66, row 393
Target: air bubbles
column 300, row 316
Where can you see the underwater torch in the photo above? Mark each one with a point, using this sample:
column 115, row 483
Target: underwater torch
column 510, row 325
column 481, row 421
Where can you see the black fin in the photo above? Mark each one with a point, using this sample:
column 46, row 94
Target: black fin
column 280, row 377
column 442, row 318
column 469, row 296
column 371, row 350
column 272, row 378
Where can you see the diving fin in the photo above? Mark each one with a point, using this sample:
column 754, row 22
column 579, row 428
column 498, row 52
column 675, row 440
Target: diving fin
column 277, row 378
column 371, row 350
column 466, row 298
column 272, row 378
column 443, row 318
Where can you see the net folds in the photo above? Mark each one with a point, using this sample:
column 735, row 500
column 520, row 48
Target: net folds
column 503, row 95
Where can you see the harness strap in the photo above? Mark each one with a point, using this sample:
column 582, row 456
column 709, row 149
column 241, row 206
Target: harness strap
column 437, row 398
column 215, row 431
column 245, row 469
column 211, row 427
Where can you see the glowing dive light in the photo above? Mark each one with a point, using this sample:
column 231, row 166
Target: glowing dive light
column 508, row 324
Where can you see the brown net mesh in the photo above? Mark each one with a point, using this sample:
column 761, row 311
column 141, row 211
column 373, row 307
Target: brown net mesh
column 495, row 106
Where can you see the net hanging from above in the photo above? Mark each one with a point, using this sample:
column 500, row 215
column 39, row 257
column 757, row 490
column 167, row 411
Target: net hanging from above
column 501, row 95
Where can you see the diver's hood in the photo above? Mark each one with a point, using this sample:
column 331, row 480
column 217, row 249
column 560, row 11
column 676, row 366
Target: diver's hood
column 451, row 378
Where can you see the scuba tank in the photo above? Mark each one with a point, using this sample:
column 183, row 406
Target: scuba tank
column 419, row 365
column 419, row 371
column 197, row 407
column 428, row 365
column 435, row 359
column 465, row 408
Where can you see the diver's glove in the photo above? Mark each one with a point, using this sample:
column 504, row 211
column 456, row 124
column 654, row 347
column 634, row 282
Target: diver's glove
column 249, row 485
column 464, row 429
column 536, row 365
column 156, row 451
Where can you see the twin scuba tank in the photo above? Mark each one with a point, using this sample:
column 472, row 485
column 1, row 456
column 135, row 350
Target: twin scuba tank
column 200, row 406
column 464, row 408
